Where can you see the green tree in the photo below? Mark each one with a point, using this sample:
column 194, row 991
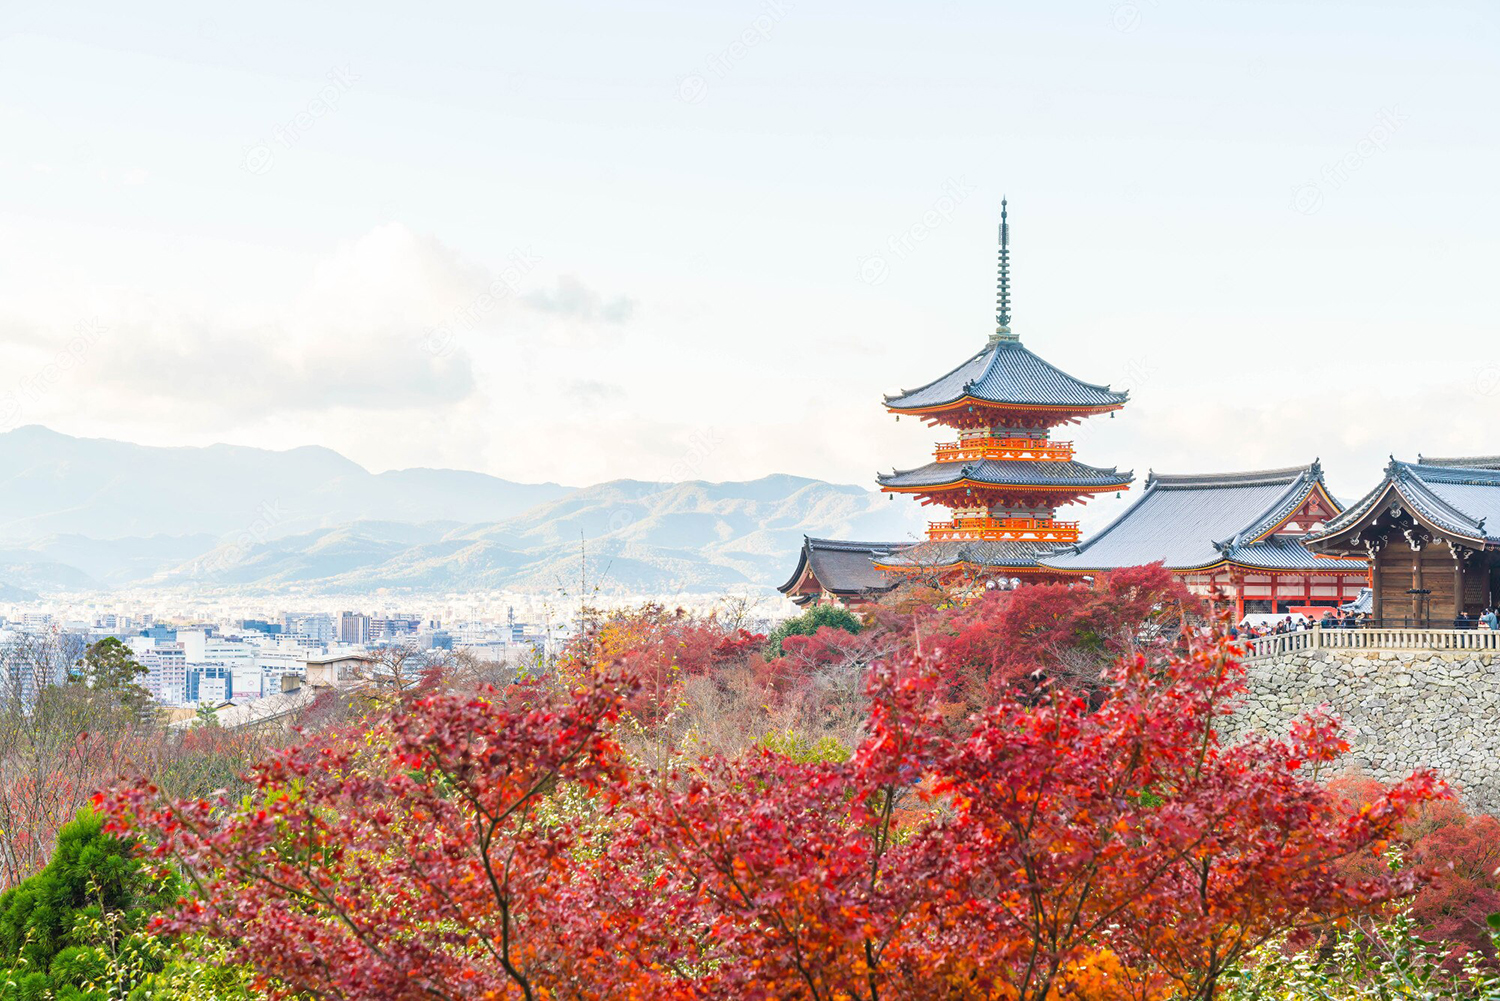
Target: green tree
column 76, row 929
column 109, row 668
column 809, row 622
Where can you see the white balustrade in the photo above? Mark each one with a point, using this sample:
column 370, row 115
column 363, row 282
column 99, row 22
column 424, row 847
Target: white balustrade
column 1318, row 638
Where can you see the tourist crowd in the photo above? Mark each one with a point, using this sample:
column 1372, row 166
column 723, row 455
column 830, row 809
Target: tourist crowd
column 1336, row 619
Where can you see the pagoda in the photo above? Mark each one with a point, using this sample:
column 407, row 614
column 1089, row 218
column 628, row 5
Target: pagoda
column 1005, row 476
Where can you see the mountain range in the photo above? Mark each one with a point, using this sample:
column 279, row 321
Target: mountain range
column 80, row 514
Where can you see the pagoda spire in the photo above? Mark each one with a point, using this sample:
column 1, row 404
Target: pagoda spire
column 1002, row 297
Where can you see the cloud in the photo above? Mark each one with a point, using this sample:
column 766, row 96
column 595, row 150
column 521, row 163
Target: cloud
column 389, row 320
column 572, row 299
column 355, row 336
column 592, row 392
column 394, row 348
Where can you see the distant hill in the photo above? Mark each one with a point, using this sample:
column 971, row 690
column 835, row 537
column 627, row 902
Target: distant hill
column 55, row 484
column 86, row 514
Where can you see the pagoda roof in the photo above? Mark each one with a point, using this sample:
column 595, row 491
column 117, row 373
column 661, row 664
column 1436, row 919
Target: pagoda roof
column 1007, row 374
column 945, row 554
column 1197, row 521
column 1008, row 472
column 1459, row 498
column 841, row 567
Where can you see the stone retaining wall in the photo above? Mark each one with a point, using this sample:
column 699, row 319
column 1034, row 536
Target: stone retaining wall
column 1400, row 710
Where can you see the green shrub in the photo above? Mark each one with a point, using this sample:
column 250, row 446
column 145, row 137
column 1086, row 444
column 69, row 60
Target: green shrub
column 803, row 750
column 809, row 622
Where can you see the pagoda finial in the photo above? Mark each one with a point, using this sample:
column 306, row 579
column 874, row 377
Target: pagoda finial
column 1002, row 297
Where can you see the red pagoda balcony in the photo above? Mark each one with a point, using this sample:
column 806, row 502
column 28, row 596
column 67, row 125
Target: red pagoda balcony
column 1034, row 449
column 1015, row 529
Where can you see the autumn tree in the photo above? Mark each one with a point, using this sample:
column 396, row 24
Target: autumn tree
column 1066, row 631
column 500, row 844
column 424, row 850
column 58, row 743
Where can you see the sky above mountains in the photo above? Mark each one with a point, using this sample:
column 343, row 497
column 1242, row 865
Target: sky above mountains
column 575, row 242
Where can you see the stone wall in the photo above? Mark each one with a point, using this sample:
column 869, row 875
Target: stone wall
column 1400, row 711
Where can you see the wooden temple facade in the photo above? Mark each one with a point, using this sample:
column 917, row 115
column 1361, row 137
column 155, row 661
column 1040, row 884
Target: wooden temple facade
column 1236, row 536
column 1425, row 530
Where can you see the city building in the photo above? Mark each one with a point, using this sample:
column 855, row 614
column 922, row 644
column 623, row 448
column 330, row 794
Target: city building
column 394, row 627
column 309, row 625
column 354, row 628
column 166, row 669
column 209, row 683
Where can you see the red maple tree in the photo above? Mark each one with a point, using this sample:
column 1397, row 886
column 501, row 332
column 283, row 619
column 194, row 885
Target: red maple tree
column 500, row 845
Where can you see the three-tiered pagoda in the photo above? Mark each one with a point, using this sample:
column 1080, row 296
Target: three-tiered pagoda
column 1004, row 477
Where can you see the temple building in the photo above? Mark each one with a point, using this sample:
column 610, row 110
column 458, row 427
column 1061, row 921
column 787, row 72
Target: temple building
column 1237, row 535
column 1424, row 529
column 835, row 570
column 1004, row 477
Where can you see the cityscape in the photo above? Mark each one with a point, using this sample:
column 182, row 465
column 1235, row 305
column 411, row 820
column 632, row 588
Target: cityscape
column 218, row 655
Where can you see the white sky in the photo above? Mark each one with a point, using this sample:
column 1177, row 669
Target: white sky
column 1272, row 221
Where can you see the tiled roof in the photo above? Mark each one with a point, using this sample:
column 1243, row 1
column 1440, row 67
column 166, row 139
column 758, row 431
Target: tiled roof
column 1196, row 521
column 842, row 567
column 976, row 552
column 1007, row 471
column 1284, row 553
column 1005, row 372
column 1461, row 462
column 1461, row 499
column 1363, row 605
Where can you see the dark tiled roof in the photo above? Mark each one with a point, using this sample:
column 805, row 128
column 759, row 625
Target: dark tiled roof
column 1005, row 372
column 1462, row 462
column 1008, row 471
column 842, row 567
column 1363, row 605
column 1462, row 500
column 1283, row 553
column 1196, row 521
column 976, row 552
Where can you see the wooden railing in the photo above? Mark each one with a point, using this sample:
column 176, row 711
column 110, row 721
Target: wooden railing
column 1042, row 529
column 1318, row 638
column 1004, row 448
